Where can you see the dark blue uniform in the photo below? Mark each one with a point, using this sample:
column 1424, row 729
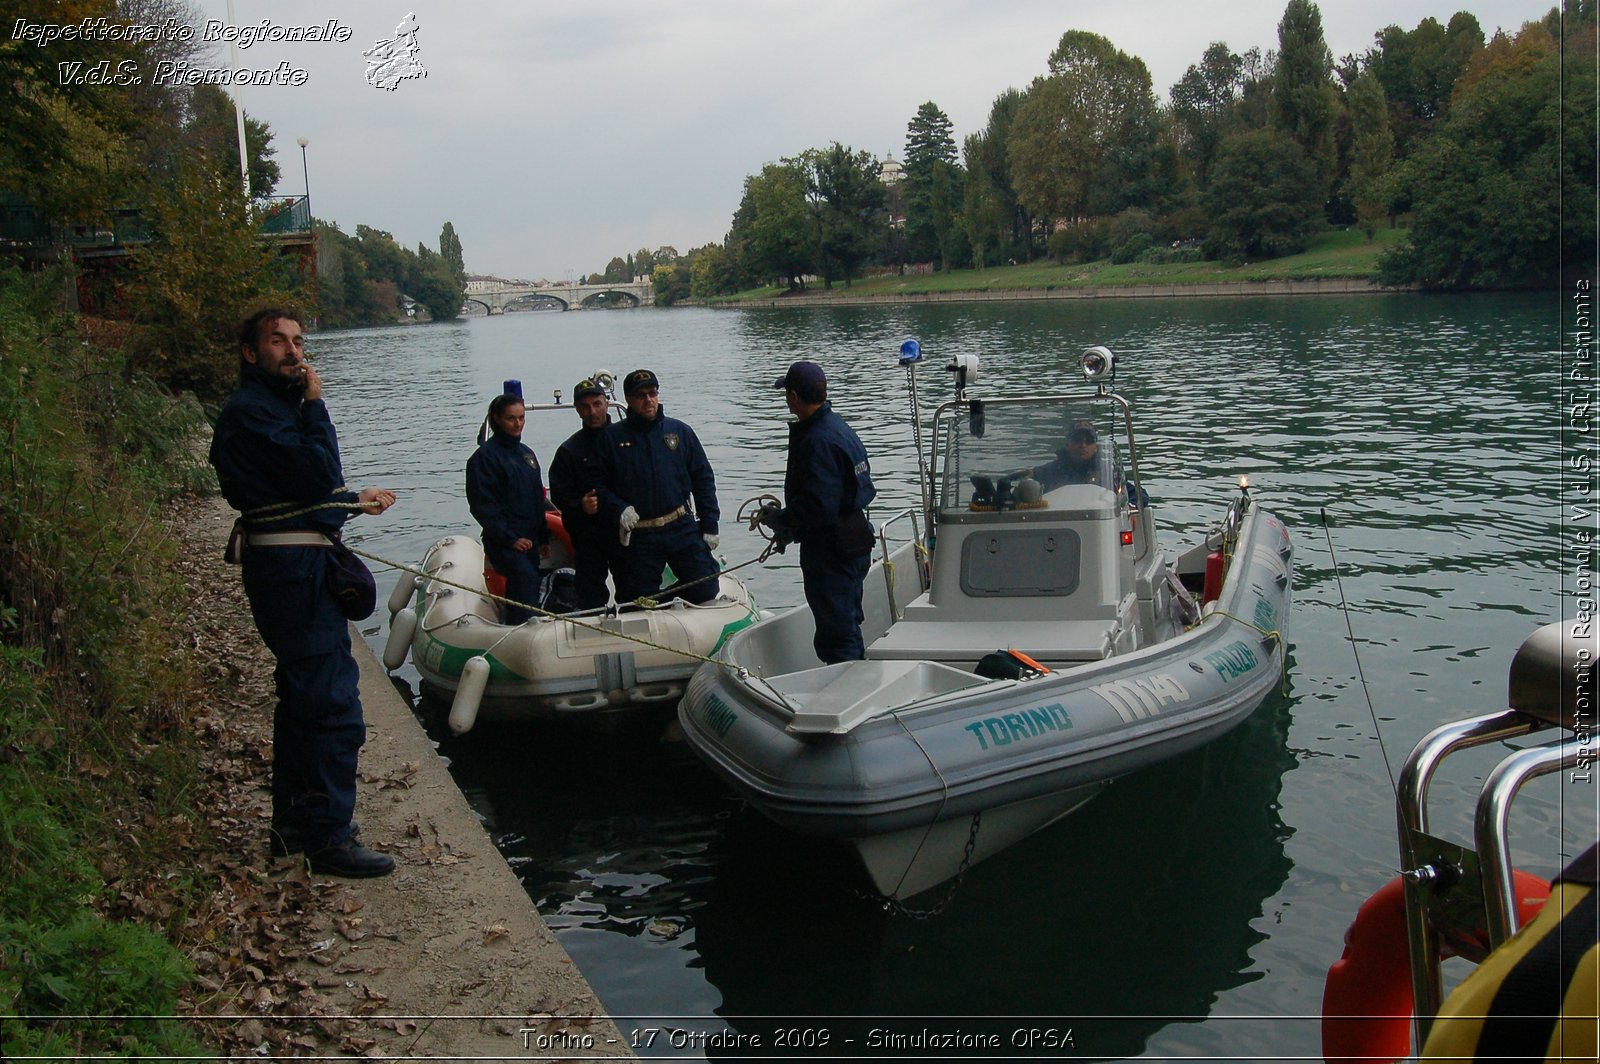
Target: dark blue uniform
column 827, row 485
column 506, row 497
column 573, row 472
column 657, row 467
column 277, row 453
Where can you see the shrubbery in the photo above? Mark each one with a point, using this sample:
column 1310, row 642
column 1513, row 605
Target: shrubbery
column 95, row 753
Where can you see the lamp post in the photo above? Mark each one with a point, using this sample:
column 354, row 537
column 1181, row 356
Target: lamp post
column 305, row 174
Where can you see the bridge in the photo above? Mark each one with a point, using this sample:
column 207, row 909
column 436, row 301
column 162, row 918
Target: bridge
column 496, row 298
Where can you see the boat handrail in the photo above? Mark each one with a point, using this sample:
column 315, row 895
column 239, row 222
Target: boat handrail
column 1144, row 544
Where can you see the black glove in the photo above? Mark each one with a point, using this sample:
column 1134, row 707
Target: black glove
column 776, row 518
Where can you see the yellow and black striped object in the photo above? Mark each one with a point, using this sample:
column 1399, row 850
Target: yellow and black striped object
column 1534, row 998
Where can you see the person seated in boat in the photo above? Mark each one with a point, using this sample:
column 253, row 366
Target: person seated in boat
column 506, row 496
column 1078, row 462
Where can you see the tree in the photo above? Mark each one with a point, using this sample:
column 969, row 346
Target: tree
column 1265, row 199
column 773, row 225
column 201, row 265
column 846, row 202
column 1503, row 194
column 1203, row 101
column 929, row 142
column 210, row 130
column 1304, row 100
column 1082, row 138
column 617, row 271
column 1372, row 154
column 1418, row 70
column 431, row 282
column 450, row 251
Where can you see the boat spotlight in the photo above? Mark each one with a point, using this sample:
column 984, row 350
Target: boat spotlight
column 965, row 367
column 1097, row 363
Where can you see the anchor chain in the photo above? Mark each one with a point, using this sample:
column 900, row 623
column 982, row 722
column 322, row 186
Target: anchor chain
column 890, row 904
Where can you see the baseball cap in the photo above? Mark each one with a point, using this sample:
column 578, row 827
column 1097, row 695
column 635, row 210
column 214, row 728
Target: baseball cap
column 1083, row 434
column 585, row 388
column 807, row 379
column 639, row 380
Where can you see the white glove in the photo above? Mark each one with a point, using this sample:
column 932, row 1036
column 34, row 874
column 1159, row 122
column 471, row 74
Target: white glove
column 712, row 539
column 625, row 524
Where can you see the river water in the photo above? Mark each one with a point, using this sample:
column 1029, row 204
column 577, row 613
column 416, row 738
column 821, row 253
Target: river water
column 1193, row 909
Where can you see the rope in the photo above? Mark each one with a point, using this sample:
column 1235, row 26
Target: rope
column 1273, row 634
column 540, row 612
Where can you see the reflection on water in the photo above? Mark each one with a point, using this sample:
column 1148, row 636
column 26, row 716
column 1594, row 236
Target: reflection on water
column 1193, row 894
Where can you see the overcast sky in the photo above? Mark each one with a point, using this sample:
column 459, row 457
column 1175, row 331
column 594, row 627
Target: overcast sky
column 555, row 136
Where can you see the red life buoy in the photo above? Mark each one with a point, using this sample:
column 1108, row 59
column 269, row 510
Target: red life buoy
column 495, row 582
column 1366, row 1001
column 558, row 529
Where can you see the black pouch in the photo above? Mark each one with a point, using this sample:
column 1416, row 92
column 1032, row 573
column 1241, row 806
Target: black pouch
column 852, row 536
column 350, row 581
column 234, row 551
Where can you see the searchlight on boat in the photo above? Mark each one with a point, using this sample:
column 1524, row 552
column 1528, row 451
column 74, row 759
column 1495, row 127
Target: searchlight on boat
column 1097, row 363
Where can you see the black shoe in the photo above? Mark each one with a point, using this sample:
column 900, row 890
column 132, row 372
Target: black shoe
column 351, row 860
column 285, row 843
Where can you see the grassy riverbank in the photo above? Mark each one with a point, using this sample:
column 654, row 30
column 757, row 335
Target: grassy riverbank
column 1333, row 254
column 98, row 773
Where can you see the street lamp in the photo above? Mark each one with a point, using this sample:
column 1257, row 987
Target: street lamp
column 305, row 173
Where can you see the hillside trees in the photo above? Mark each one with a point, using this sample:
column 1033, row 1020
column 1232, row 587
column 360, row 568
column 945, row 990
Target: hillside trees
column 1504, row 191
column 846, row 200
column 1082, row 138
column 929, row 184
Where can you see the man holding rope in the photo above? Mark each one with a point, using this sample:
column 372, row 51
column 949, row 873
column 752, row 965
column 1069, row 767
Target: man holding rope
column 277, row 459
column 827, row 488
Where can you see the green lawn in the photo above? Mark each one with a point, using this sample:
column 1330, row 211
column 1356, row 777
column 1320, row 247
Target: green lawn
column 1335, row 253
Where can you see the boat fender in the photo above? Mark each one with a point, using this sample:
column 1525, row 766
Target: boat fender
column 401, row 596
column 1213, row 585
column 1366, row 1000
column 402, row 628
column 469, row 693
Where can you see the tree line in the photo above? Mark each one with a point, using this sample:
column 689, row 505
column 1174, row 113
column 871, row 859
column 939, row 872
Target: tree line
column 92, row 156
column 1483, row 150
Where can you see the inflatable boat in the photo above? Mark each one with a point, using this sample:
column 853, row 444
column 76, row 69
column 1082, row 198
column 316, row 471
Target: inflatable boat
column 1026, row 645
column 449, row 623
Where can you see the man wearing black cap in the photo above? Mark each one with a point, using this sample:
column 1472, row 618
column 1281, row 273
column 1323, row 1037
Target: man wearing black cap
column 650, row 467
column 828, row 486
column 1076, row 463
column 574, row 480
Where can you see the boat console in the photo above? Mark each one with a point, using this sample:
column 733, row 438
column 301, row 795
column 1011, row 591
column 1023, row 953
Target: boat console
column 1043, row 540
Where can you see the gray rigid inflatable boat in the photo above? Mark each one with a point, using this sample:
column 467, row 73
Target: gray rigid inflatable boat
column 920, row 757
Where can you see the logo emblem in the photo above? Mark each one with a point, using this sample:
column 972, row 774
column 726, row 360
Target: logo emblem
column 671, row 439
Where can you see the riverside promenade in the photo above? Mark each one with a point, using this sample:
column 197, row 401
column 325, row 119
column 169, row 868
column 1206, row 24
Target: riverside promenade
column 840, row 296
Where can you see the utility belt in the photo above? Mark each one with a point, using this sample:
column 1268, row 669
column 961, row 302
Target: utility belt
column 242, row 537
column 665, row 519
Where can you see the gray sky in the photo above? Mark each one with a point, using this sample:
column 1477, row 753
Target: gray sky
column 555, row 136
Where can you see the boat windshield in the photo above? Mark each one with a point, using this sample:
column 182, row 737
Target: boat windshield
column 1005, row 454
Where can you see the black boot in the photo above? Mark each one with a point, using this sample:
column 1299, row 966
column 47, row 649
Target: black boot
column 351, row 860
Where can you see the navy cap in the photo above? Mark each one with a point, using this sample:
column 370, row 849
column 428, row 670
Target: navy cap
column 638, row 380
column 807, row 380
column 585, row 388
